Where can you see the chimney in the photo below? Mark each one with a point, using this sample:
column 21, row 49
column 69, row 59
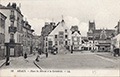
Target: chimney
column 8, row 4
column 14, row 5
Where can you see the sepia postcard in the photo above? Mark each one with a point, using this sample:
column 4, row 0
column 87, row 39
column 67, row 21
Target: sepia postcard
column 59, row 38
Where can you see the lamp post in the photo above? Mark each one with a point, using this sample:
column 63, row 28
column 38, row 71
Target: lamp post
column 12, row 31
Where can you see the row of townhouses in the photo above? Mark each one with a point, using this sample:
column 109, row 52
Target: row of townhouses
column 99, row 39
column 63, row 38
column 23, row 37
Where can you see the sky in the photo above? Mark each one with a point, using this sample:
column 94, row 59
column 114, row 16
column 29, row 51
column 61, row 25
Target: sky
column 105, row 13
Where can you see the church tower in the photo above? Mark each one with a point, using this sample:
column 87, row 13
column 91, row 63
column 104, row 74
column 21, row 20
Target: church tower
column 91, row 26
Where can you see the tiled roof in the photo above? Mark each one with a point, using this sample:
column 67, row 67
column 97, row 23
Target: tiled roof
column 108, row 31
column 96, row 33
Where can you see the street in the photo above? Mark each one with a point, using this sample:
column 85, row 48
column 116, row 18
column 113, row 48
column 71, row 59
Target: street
column 21, row 63
column 78, row 60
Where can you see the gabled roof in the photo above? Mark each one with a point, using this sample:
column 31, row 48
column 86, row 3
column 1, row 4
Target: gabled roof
column 77, row 32
column 59, row 26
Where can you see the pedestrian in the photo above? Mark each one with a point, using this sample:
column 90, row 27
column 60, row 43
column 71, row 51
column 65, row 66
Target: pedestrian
column 7, row 61
column 46, row 54
column 37, row 58
column 25, row 57
column 71, row 49
column 39, row 51
column 34, row 52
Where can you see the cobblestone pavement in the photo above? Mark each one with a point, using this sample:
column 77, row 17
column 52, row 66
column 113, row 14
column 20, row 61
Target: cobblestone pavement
column 78, row 60
column 21, row 63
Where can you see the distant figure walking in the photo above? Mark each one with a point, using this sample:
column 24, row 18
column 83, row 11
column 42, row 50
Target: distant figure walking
column 37, row 58
column 71, row 49
column 46, row 54
column 39, row 50
column 25, row 57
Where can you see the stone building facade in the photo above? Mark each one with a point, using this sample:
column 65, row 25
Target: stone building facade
column 76, row 38
column 99, row 39
column 2, row 35
column 36, row 42
column 23, row 35
column 27, row 38
column 59, row 37
column 7, row 10
column 46, row 30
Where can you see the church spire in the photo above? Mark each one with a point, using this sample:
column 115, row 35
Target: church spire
column 91, row 25
column 63, row 22
column 62, row 18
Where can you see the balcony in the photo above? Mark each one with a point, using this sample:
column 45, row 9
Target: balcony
column 12, row 29
column 12, row 18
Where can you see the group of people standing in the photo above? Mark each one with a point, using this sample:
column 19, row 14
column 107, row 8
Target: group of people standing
column 38, row 52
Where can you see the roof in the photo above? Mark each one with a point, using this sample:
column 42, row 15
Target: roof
column 77, row 32
column 3, row 15
column 58, row 27
column 97, row 33
column 10, row 7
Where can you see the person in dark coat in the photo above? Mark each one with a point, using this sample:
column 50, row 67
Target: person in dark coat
column 46, row 54
column 39, row 51
column 37, row 58
column 71, row 49
column 25, row 55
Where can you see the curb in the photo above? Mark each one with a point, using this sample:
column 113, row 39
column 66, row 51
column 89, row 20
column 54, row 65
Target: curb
column 37, row 65
column 2, row 64
column 105, row 58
